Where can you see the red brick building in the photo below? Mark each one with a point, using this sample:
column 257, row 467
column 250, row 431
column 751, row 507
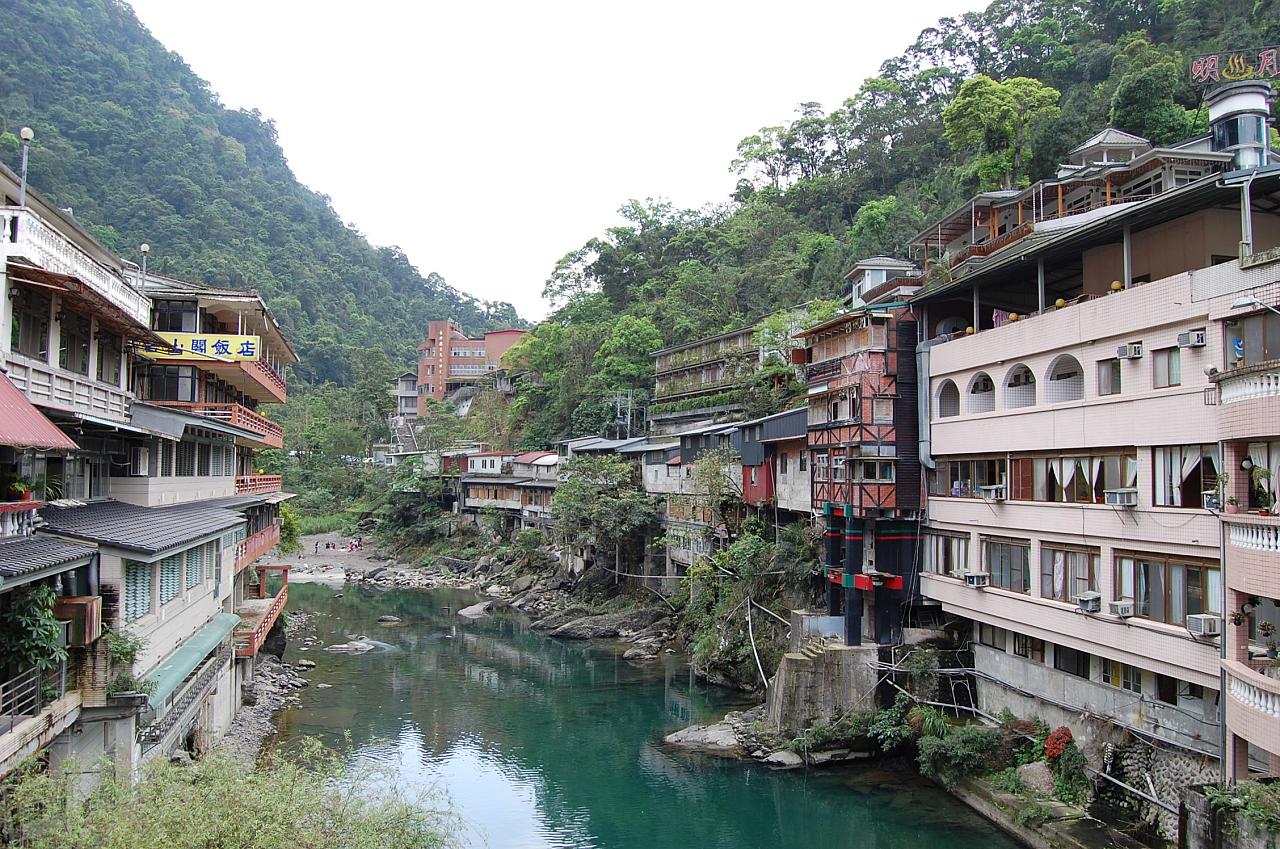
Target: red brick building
column 449, row 359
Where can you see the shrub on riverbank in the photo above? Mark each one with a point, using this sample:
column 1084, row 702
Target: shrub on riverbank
column 286, row 803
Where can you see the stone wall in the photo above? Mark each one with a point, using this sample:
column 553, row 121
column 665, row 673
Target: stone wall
column 818, row 686
column 1203, row 829
column 1170, row 771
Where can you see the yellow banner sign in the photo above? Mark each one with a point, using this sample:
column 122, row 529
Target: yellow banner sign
column 205, row 346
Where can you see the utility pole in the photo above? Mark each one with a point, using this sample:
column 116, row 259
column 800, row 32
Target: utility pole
column 26, row 134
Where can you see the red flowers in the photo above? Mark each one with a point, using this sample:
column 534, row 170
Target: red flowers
column 1057, row 742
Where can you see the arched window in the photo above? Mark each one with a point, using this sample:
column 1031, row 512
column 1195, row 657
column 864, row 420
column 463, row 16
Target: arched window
column 982, row 394
column 1020, row 387
column 948, row 400
column 1066, row 380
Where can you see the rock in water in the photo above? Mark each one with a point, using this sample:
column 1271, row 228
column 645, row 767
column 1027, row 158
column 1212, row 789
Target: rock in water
column 476, row 610
column 388, row 619
column 353, row 647
column 784, row 759
column 719, row 737
column 608, row 624
column 306, row 664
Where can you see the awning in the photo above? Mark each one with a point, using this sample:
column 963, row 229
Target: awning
column 24, row 559
column 174, row 423
column 175, row 668
column 23, row 426
column 674, row 461
column 86, row 299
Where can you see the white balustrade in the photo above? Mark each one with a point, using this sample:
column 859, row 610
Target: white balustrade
column 1250, row 695
column 1257, row 537
column 1246, row 387
column 24, row 234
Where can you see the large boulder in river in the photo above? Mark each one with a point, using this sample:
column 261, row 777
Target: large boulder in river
column 475, row 611
column 608, row 624
column 555, row 620
column 718, row 737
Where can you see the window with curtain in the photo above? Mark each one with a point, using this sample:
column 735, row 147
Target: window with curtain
column 1008, row 561
column 1109, row 377
column 1167, row 367
column 1168, row 589
column 73, row 342
column 1183, row 473
column 109, row 350
column 1066, row 573
column 29, row 329
column 1263, row 455
column 137, row 590
column 1032, row 648
column 945, row 554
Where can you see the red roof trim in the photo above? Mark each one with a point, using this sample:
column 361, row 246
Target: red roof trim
column 23, row 426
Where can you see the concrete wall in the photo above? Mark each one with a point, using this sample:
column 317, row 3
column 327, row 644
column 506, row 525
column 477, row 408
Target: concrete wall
column 809, row 690
column 793, row 487
column 155, row 492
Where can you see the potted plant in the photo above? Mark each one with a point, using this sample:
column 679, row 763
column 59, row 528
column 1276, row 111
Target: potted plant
column 21, row 487
column 1268, row 631
column 1233, row 505
column 1258, row 476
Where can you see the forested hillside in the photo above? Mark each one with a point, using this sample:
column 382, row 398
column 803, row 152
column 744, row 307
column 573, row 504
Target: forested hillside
column 994, row 98
column 142, row 151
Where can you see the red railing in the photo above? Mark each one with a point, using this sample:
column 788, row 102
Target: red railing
column 235, row 415
column 255, row 545
column 258, row 484
column 265, row 375
column 249, row 640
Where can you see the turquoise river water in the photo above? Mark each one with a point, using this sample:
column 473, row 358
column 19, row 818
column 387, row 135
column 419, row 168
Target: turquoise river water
column 542, row 744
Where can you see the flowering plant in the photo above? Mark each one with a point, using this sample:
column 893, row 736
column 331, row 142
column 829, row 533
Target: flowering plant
column 1057, row 742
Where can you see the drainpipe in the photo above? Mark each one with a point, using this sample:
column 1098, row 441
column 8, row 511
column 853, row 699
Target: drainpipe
column 1223, row 736
column 923, row 401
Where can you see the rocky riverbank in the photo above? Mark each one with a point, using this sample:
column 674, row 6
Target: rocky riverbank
column 272, row 690
column 744, row 735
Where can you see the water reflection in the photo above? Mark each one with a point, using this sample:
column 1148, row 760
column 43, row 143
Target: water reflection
column 542, row 743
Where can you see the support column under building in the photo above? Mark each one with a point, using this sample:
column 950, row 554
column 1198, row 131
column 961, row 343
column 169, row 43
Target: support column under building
column 852, row 566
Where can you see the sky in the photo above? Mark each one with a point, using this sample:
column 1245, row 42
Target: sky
column 488, row 140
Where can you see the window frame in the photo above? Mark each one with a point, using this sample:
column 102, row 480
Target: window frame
column 1166, row 361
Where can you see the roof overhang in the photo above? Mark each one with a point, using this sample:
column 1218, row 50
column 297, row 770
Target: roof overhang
column 79, row 295
column 23, row 426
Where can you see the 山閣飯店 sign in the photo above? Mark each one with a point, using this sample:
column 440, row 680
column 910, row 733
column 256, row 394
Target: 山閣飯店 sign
column 210, row 346
column 1257, row 63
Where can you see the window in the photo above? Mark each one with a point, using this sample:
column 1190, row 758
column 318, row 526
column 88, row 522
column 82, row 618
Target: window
column 882, row 410
column 1183, row 473
column 1071, row 661
column 753, row 474
column 1009, row 564
column 1169, row 590
column 172, row 383
column 945, row 554
column 838, row 462
column 204, row 459
column 185, row 464
column 961, row 478
column 137, row 590
column 109, row 350
column 174, row 316
column 1109, row 377
column 195, row 567
column 1167, row 363
column 73, row 342
column 29, row 330
column 875, row 471
column 804, row 460
column 1167, row 689
column 1253, row 340
column 1066, row 573
column 1031, row 648
column 993, row 637
column 782, row 463
column 1121, row 675
column 822, row 464
column 169, row 578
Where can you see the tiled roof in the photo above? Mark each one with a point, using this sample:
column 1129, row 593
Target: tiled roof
column 150, row 530
column 24, row 555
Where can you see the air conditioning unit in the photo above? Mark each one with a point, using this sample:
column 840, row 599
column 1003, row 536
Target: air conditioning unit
column 1123, row 609
column 992, row 493
column 1204, row 625
column 1127, row 497
column 1212, row 501
column 1192, row 339
column 85, row 615
column 977, row 580
column 1089, row 602
column 1132, row 351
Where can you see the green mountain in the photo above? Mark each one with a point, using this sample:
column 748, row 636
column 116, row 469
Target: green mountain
column 141, row 150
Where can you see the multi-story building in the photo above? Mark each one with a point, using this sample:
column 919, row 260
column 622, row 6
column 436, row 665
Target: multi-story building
column 540, row 471
column 698, row 382
column 1082, row 380
column 775, row 467
column 449, row 360
column 860, row 370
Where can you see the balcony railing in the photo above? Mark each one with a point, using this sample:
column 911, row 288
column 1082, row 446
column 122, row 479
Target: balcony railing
column 1253, row 689
column 258, row 484
column 255, row 545
column 1256, row 535
column 235, row 415
column 27, row 693
column 25, row 234
column 249, row 640
column 267, row 376
column 1246, row 387
column 51, row 386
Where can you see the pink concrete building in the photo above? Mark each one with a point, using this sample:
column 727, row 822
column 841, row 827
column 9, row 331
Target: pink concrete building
column 449, row 359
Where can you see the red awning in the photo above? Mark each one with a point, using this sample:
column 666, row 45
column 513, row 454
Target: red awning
column 23, row 426
column 674, row 461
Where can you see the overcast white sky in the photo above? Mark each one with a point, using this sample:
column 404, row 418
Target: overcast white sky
column 489, row 139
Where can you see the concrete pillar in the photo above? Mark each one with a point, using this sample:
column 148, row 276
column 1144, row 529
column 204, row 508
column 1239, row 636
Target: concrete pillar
column 1040, row 284
column 1237, row 758
column 834, row 557
column 853, row 554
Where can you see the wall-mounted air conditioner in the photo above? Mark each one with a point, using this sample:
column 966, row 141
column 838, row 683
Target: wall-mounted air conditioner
column 1131, row 351
column 1192, row 339
column 1089, row 602
column 1126, row 497
column 977, row 580
column 992, row 493
column 1123, row 608
column 1204, row 625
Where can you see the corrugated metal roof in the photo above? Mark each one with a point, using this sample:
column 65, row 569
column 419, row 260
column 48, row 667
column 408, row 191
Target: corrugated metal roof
column 149, row 530
column 533, row 456
column 23, row 426
column 24, row 555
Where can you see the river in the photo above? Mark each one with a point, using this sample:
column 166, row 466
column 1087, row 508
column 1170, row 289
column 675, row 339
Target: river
column 542, row 744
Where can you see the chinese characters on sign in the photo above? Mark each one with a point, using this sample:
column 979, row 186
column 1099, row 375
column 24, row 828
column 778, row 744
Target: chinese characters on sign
column 1261, row 63
column 210, row 346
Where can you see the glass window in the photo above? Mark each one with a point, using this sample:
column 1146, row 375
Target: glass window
column 1066, row 573
column 195, row 566
column 1031, row 648
column 945, row 554
column 29, row 329
column 993, row 637
column 109, row 350
column 1169, row 590
column 1109, row 377
column 1071, row 661
column 1183, row 473
column 174, row 316
column 1122, row 675
column 1009, row 564
column 185, row 464
column 73, row 342
column 1167, row 363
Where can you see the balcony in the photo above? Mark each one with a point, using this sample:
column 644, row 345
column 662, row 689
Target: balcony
column 25, row 235
column 50, row 386
column 1248, row 397
column 1253, row 705
column 258, row 484
column 35, row 707
column 257, row 615
column 236, row 415
column 255, row 545
column 1253, row 553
